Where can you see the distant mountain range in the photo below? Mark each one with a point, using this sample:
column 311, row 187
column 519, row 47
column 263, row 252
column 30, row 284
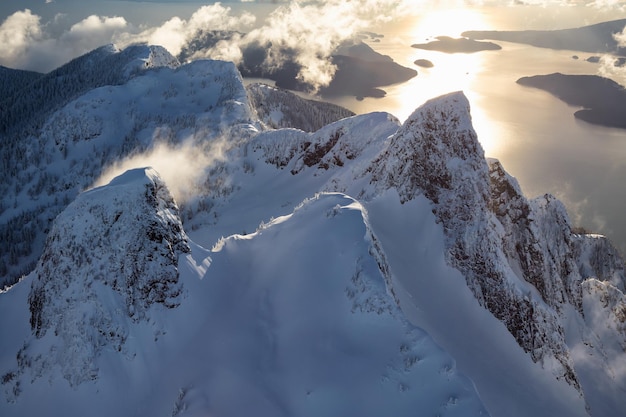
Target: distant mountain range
column 365, row 267
column 594, row 38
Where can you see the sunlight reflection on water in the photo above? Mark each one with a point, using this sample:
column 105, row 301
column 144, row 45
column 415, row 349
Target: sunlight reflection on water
column 534, row 134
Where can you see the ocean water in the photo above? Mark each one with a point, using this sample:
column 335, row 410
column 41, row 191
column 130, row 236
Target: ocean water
column 532, row 133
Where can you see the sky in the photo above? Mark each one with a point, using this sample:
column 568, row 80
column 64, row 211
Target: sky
column 40, row 35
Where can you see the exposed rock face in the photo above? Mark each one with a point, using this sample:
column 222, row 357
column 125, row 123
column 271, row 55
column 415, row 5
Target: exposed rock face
column 567, row 269
column 110, row 259
column 538, row 239
column 335, row 145
column 437, row 153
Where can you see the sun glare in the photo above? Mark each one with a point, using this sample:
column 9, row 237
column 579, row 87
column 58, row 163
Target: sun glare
column 450, row 72
column 448, row 22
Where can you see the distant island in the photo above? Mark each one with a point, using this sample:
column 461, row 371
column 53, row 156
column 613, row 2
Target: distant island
column 594, row 38
column 424, row 63
column 457, row 45
column 603, row 100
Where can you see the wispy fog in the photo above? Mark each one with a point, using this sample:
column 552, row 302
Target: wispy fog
column 183, row 167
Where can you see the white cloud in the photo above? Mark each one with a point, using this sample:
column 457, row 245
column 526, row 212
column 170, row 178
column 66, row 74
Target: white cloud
column 311, row 31
column 176, row 32
column 226, row 50
column 17, row 34
column 604, row 4
column 609, row 68
column 24, row 43
column 90, row 33
column 621, row 38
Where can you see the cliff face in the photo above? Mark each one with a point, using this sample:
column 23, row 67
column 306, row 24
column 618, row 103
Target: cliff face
column 436, row 153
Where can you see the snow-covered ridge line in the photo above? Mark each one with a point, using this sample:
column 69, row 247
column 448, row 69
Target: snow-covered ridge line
column 198, row 104
column 429, row 219
column 520, row 257
column 312, row 332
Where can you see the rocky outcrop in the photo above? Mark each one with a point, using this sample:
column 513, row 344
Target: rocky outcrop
column 333, row 146
column 436, row 153
column 111, row 258
column 597, row 257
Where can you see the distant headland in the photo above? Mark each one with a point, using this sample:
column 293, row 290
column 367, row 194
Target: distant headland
column 603, row 100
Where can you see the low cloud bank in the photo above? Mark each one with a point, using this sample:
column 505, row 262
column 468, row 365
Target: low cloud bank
column 308, row 31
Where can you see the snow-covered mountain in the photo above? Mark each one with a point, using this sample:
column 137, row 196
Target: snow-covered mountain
column 47, row 164
column 369, row 267
column 280, row 108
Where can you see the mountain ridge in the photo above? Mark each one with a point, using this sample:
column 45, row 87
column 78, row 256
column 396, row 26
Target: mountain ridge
column 418, row 206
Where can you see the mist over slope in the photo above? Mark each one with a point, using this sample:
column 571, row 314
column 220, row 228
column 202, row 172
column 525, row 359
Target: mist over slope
column 366, row 267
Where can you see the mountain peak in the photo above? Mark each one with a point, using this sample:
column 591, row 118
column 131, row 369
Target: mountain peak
column 110, row 260
column 435, row 150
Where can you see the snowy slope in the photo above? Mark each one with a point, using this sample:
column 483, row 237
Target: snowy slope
column 279, row 108
column 31, row 104
column 520, row 261
column 257, row 326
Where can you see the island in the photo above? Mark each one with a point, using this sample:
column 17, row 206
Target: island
column 457, row 45
column 603, row 100
column 598, row 38
column 424, row 63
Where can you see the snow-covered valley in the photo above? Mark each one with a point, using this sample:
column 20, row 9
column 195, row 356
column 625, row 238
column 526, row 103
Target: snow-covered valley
column 367, row 268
